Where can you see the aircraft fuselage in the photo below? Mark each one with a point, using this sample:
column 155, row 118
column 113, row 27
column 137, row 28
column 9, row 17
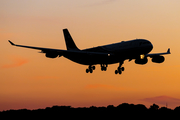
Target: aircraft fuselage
column 117, row 52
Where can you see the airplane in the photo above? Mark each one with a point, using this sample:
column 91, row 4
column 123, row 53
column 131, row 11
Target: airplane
column 137, row 49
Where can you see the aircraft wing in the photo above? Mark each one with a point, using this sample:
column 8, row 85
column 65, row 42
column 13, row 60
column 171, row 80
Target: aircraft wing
column 38, row 48
column 45, row 50
column 158, row 54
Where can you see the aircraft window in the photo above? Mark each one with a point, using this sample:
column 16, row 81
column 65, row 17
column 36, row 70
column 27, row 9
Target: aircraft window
column 145, row 42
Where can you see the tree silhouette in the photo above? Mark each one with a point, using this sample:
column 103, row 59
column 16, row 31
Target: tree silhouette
column 124, row 110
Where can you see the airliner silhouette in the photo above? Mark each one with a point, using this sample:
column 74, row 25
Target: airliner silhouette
column 137, row 49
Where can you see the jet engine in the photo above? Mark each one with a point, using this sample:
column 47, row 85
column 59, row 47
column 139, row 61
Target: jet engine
column 158, row 59
column 141, row 61
column 52, row 55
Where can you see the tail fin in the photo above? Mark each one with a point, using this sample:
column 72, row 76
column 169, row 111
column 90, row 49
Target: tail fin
column 69, row 41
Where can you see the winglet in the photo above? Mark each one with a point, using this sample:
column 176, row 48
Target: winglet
column 168, row 51
column 11, row 42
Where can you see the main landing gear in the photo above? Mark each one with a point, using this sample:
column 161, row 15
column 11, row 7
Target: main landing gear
column 119, row 69
column 90, row 69
column 104, row 67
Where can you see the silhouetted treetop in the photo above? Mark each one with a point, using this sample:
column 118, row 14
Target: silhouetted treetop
column 93, row 112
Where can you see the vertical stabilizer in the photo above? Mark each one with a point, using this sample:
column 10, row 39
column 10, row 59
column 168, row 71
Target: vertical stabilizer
column 69, row 41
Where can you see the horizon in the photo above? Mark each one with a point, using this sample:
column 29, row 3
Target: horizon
column 95, row 106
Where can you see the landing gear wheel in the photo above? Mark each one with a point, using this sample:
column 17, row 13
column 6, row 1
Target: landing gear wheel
column 93, row 67
column 116, row 72
column 87, row 70
column 104, row 67
column 90, row 70
column 122, row 68
column 119, row 70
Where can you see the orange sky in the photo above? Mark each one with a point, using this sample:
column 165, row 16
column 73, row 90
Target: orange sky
column 30, row 80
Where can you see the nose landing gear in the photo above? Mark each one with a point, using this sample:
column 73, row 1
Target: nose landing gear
column 120, row 69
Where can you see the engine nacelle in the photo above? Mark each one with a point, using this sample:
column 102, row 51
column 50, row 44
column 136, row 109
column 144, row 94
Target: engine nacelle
column 158, row 59
column 141, row 61
column 51, row 55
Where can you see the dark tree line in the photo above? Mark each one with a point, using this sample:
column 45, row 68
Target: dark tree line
column 122, row 111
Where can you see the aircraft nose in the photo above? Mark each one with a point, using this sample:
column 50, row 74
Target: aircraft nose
column 150, row 46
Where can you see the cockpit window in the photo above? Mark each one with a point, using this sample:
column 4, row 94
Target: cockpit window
column 145, row 42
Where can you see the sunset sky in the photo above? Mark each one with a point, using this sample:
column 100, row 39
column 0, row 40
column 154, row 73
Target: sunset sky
column 30, row 80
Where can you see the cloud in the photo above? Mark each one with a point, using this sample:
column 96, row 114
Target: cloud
column 16, row 62
column 163, row 100
column 103, row 86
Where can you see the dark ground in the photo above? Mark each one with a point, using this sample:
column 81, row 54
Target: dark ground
column 123, row 111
